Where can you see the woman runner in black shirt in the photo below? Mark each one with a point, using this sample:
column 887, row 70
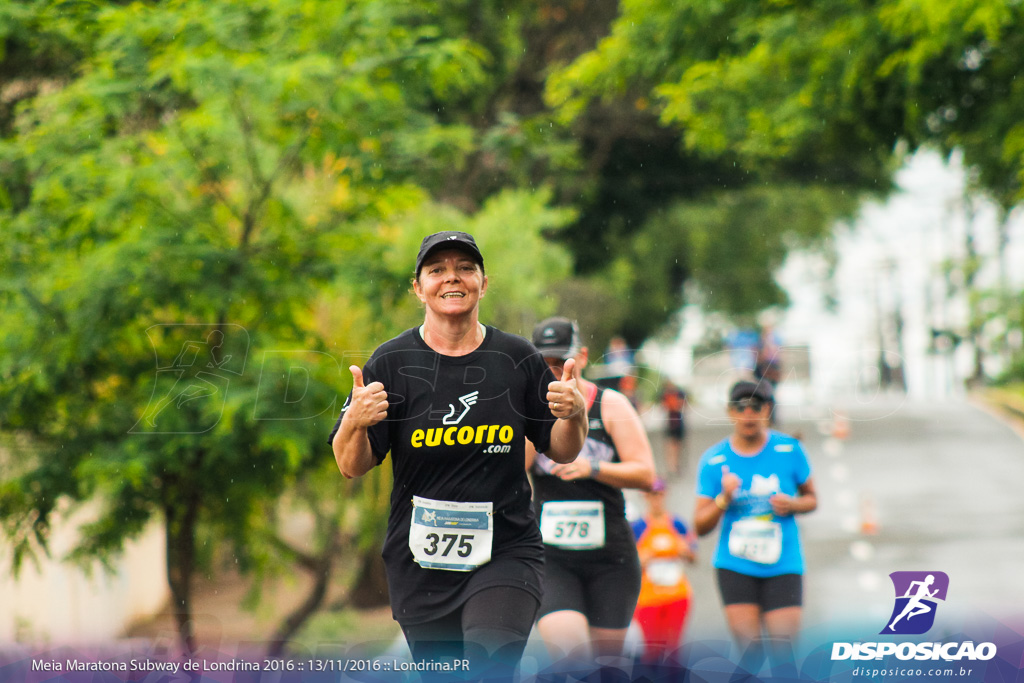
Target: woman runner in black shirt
column 452, row 402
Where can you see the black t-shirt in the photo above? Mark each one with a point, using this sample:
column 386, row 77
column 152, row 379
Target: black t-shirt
column 598, row 447
column 455, row 430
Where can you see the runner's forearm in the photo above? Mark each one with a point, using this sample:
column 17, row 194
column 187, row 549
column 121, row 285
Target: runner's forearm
column 805, row 503
column 352, row 451
column 567, row 437
column 624, row 475
column 707, row 515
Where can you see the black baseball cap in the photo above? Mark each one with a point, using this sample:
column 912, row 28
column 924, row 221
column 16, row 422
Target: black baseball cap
column 747, row 389
column 448, row 239
column 557, row 338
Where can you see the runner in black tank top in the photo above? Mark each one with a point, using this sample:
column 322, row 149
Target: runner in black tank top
column 591, row 573
column 583, row 542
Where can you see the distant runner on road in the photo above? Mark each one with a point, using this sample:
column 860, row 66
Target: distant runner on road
column 673, row 400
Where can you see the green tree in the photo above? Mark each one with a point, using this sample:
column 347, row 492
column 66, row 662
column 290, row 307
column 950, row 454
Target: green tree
column 829, row 94
column 183, row 197
column 237, row 191
column 713, row 197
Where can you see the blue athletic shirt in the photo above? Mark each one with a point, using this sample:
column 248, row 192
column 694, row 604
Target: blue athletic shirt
column 780, row 467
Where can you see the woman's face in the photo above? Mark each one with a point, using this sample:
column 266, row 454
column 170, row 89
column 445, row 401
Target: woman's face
column 450, row 283
column 750, row 417
column 655, row 502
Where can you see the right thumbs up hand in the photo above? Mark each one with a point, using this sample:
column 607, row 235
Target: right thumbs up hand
column 730, row 482
column 369, row 404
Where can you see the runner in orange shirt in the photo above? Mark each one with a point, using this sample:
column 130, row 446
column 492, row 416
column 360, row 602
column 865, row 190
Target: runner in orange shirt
column 665, row 545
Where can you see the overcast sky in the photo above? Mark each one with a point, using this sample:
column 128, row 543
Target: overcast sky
column 892, row 256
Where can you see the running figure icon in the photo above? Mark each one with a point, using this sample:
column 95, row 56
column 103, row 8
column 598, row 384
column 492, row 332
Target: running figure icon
column 184, row 364
column 468, row 401
column 915, row 604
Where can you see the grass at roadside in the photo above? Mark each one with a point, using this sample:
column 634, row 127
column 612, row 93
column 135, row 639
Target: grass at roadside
column 362, row 633
column 1008, row 399
column 1015, row 389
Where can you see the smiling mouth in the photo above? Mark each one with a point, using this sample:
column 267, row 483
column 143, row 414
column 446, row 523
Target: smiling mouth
column 453, row 295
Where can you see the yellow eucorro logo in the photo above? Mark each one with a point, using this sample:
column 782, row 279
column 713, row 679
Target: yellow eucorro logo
column 449, row 436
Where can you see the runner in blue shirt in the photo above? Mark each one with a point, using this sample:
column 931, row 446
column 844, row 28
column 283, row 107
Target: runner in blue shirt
column 754, row 482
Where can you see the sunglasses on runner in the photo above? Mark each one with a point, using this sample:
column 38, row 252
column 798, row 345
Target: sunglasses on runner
column 754, row 404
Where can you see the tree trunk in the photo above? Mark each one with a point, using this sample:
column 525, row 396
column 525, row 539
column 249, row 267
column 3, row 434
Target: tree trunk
column 971, row 269
column 322, row 568
column 370, row 588
column 180, row 524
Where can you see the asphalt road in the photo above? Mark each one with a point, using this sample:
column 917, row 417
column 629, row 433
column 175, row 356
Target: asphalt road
column 913, row 487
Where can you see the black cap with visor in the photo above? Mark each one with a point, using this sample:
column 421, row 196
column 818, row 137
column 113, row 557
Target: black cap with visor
column 557, row 338
column 448, row 239
column 743, row 389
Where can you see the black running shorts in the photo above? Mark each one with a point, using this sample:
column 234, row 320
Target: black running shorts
column 604, row 592
column 772, row 592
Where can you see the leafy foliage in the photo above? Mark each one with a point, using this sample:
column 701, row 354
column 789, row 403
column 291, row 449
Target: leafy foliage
column 186, row 196
column 816, row 95
column 209, row 210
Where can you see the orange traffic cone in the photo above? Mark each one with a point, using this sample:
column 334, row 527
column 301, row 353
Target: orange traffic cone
column 868, row 516
column 841, row 426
